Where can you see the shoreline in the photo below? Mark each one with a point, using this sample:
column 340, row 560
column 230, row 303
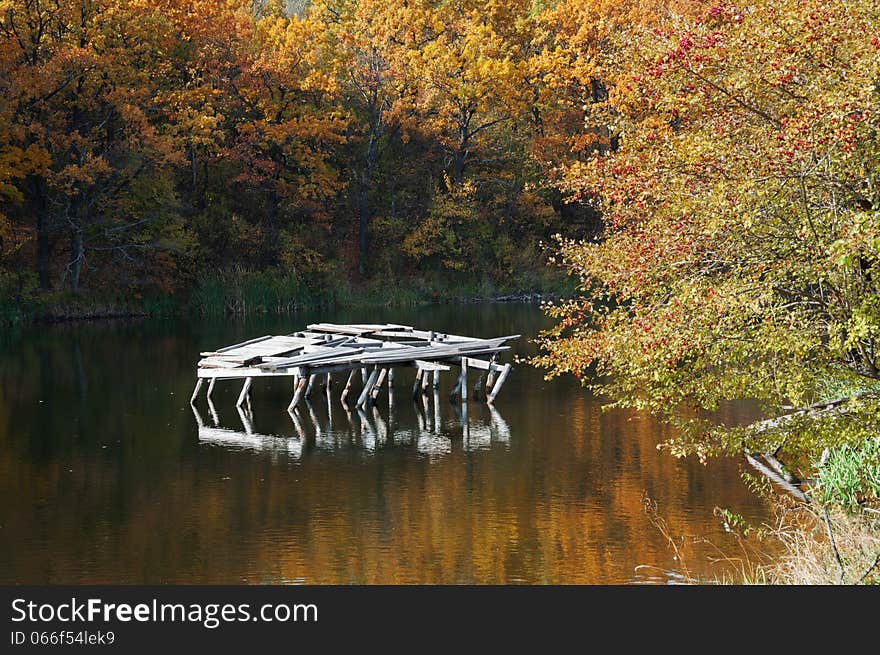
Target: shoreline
column 111, row 314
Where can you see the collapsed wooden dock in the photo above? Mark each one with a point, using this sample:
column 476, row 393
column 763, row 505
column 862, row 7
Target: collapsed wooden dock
column 313, row 356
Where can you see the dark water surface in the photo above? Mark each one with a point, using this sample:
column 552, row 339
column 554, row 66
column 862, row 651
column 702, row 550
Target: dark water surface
column 105, row 476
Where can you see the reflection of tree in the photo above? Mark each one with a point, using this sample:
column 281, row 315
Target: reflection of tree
column 557, row 500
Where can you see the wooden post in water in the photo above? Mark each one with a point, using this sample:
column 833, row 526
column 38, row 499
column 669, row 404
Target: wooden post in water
column 365, row 393
column 211, row 387
column 374, row 393
column 497, row 386
column 347, row 386
column 195, row 394
column 245, row 389
column 310, row 385
column 464, row 372
column 490, row 380
column 298, row 394
column 437, row 379
column 417, row 385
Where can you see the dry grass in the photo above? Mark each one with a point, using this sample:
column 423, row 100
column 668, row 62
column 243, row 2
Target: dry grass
column 807, row 545
column 827, row 548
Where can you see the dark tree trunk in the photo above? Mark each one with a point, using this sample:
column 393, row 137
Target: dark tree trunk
column 77, row 249
column 77, row 243
column 40, row 207
column 364, row 210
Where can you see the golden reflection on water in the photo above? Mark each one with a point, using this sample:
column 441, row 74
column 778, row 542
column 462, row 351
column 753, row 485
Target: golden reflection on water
column 107, row 476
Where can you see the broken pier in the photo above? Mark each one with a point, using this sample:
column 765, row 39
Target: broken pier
column 365, row 356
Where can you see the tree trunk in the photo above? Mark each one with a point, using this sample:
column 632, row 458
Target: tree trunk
column 41, row 210
column 77, row 249
column 364, row 211
column 77, row 242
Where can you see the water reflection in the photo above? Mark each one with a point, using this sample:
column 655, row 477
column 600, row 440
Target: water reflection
column 107, row 476
column 365, row 428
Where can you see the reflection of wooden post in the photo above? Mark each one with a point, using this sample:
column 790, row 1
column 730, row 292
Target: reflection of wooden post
column 465, row 424
column 478, row 385
column 196, row 390
column 245, row 388
column 497, row 386
column 436, row 410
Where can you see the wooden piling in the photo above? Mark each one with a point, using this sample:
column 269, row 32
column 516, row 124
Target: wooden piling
column 464, row 370
column 195, row 393
column 417, row 385
column 347, row 388
column 245, row 389
column 298, row 394
column 365, row 393
column 374, row 392
column 497, row 386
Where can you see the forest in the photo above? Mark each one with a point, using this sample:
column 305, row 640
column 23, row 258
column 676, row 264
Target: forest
column 251, row 155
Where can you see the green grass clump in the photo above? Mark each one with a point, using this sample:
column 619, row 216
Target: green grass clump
column 850, row 476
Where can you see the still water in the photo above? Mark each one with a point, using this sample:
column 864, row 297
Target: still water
column 107, row 477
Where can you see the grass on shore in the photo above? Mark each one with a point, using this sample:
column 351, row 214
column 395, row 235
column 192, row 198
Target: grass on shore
column 832, row 539
column 238, row 291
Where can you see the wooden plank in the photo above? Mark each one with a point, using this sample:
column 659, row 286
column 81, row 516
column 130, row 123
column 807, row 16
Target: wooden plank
column 431, row 366
column 243, row 343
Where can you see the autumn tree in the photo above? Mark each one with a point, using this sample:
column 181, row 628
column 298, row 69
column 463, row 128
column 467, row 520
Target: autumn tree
column 365, row 38
column 741, row 243
column 78, row 93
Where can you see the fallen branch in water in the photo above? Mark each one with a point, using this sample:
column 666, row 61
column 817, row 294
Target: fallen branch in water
column 775, row 477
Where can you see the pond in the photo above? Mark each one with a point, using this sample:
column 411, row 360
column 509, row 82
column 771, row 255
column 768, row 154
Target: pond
column 107, row 477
